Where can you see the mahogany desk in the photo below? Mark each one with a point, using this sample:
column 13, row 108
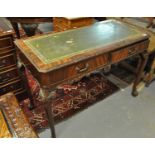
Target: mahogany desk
column 67, row 56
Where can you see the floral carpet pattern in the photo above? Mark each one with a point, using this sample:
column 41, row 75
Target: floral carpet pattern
column 68, row 99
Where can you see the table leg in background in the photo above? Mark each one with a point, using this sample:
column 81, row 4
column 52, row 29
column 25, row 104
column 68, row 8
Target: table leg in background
column 141, row 66
column 16, row 29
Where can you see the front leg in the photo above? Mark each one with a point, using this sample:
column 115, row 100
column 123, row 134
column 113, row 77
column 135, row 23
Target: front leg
column 47, row 99
column 22, row 72
column 141, row 66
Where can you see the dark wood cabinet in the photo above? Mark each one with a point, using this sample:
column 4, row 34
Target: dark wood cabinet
column 9, row 76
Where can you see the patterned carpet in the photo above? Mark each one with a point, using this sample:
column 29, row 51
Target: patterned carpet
column 68, row 99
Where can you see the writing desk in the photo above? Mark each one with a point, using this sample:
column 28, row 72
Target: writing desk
column 66, row 56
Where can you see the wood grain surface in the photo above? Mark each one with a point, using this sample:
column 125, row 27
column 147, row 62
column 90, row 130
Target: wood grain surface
column 18, row 123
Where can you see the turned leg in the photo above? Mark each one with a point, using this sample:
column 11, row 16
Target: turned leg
column 150, row 77
column 16, row 29
column 150, row 68
column 141, row 66
column 48, row 109
column 26, row 84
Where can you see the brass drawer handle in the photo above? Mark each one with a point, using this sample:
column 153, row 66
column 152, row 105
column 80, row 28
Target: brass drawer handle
column 80, row 70
column 132, row 51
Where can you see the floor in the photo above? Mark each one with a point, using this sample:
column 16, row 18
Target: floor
column 119, row 115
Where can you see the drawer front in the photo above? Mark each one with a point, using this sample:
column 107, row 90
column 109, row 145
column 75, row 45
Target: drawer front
column 137, row 48
column 81, row 22
column 6, row 43
column 8, row 75
column 21, row 95
column 7, row 52
column 59, row 29
column 60, row 20
column 119, row 55
column 11, row 87
column 78, row 69
column 7, row 60
column 129, row 51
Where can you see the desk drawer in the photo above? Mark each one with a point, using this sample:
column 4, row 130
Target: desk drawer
column 138, row 48
column 7, row 52
column 10, row 74
column 119, row 55
column 12, row 86
column 129, row 51
column 78, row 69
column 7, row 60
column 6, row 42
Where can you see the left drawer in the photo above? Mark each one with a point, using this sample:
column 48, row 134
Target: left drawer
column 11, row 87
column 8, row 75
column 6, row 42
column 7, row 60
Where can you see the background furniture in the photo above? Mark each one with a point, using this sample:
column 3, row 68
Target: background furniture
column 150, row 66
column 151, row 23
column 30, row 24
column 66, row 23
column 9, row 76
column 15, row 123
column 63, row 57
column 150, row 76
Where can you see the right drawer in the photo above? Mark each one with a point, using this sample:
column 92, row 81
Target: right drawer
column 129, row 51
column 7, row 60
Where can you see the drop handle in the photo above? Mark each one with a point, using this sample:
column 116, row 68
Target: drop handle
column 133, row 50
column 80, row 70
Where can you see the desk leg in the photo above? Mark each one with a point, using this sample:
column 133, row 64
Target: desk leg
column 16, row 29
column 141, row 66
column 48, row 109
column 25, row 80
column 150, row 77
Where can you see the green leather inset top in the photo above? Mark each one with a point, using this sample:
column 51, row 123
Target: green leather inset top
column 52, row 47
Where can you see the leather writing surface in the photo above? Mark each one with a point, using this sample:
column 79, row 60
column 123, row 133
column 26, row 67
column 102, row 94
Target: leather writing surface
column 68, row 43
